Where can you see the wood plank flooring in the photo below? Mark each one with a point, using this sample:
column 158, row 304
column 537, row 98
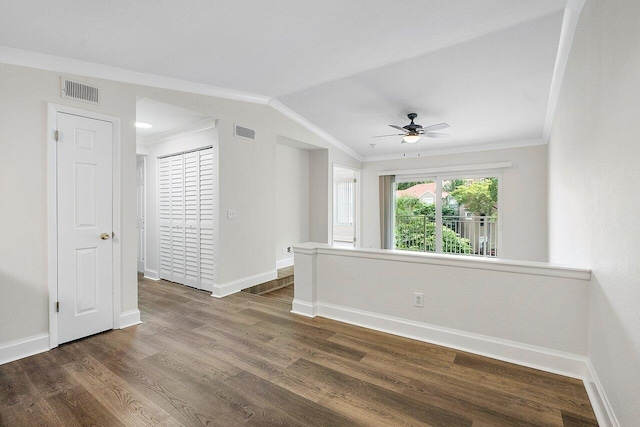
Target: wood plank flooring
column 244, row 360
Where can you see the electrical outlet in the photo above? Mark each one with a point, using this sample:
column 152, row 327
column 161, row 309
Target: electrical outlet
column 418, row 299
column 231, row 214
column 285, row 250
column 289, row 250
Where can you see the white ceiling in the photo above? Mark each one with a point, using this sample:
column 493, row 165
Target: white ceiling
column 163, row 117
column 348, row 67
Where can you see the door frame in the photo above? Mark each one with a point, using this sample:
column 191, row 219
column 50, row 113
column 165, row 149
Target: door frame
column 144, row 197
column 52, row 213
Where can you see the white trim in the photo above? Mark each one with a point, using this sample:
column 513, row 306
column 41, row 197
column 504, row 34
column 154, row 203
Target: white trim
column 52, row 220
column 89, row 69
column 457, row 261
column 201, row 126
column 304, row 308
column 599, row 400
column 23, row 347
column 457, row 149
column 448, row 169
column 569, row 25
column 52, row 224
column 75, row 67
column 221, row 290
column 282, row 263
column 130, row 318
column 151, row 274
column 558, row 362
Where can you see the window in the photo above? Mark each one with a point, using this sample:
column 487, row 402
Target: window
column 462, row 218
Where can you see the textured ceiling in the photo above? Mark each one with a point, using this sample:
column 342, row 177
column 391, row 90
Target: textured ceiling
column 349, row 67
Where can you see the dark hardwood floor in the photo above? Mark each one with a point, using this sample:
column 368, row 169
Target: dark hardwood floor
column 245, row 360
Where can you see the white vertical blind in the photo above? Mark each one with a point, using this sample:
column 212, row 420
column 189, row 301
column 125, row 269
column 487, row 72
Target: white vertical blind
column 186, row 218
column 344, row 202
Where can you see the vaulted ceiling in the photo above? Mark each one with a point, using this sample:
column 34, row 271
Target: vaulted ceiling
column 350, row 68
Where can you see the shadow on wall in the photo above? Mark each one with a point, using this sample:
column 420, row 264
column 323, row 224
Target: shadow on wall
column 606, row 332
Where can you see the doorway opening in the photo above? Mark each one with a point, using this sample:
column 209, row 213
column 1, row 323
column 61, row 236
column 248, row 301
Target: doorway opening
column 346, row 201
column 178, row 202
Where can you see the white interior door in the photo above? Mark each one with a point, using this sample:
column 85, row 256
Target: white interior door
column 84, row 195
column 140, row 211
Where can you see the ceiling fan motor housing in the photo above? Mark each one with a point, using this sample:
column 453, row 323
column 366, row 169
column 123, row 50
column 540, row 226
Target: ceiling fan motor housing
column 412, row 127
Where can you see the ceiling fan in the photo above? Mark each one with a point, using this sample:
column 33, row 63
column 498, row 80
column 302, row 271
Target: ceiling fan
column 412, row 132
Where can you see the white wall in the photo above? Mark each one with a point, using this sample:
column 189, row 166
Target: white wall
column 319, row 196
column 524, row 196
column 24, row 94
column 531, row 313
column 247, row 184
column 176, row 145
column 593, row 174
column 292, row 198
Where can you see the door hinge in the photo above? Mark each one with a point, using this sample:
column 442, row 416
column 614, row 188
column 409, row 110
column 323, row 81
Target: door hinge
column 56, row 136
column 57, row 306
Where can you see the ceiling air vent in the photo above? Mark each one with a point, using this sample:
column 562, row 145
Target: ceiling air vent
column 79, row 91
column 244, row 132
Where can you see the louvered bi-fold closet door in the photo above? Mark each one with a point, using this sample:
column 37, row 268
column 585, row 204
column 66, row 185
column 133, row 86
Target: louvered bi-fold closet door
column 177, row 219
column 164, row 179
column 206, row 206
column 186, row 218
column 191, row 218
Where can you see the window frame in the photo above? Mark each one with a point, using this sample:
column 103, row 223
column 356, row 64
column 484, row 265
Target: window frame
column 443, row 174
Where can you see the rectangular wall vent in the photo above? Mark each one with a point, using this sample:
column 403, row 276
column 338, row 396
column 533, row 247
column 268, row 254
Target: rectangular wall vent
column 79, row 91
column 244, row 132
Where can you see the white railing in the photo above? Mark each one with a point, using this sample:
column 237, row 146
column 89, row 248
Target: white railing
column 471, row 235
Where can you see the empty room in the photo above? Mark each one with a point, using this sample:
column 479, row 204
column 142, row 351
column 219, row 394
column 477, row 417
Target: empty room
column 297, row 213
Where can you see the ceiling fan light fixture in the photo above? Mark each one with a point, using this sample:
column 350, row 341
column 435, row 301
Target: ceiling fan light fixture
column 411, row 138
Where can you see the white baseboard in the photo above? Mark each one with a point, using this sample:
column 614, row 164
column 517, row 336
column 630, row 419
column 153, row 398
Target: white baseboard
column 130, row 318
column 151, row 275
column 558, row 362
column 24, row 347
column 221, row 290
column 282, row 263
column 599, row 401
column 304, row 308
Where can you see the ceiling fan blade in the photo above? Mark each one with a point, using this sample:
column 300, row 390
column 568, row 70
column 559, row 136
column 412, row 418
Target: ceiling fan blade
column 398, row 127
column 435, row 127
column 383, row 136
column 436, row 135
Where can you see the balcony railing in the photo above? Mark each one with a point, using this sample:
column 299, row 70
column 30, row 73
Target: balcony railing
column 470, row 235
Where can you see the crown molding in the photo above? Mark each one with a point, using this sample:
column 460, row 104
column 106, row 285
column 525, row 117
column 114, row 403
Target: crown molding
column 83, row 68
column 89, row 69
column 569, row 25
column 288, row 112
column 458, row 149
column 202, row 125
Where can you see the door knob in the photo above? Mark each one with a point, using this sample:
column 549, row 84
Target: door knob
column 105, row 236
